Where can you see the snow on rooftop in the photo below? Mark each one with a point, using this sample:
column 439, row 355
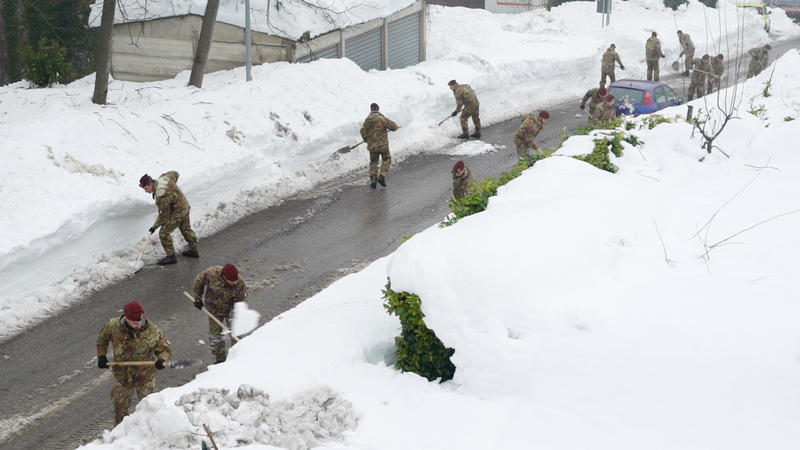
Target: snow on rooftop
column 284, row 18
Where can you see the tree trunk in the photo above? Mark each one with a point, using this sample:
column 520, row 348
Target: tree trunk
column 103, row 58
column 204, row 44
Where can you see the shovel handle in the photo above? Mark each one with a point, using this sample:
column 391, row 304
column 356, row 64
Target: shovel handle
column 211, row 315
column 135, row 363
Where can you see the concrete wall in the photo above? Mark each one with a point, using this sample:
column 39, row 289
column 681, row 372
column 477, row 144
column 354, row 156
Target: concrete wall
column 160, row 49
column 513, row 6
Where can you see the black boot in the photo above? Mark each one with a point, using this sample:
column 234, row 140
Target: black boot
column 382, row 181
column 373, row 185
column 191, row 253
column 686, row 74
column 169, row 259
column 463, row 136
column 476, row 135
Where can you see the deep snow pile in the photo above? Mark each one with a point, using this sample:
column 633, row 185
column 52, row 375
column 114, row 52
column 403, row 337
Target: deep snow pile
column 73, row 217
column 243, row 417
column 652, row 308
column 287, row 18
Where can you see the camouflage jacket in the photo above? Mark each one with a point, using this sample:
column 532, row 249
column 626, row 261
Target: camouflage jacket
column 593, row 99
column 171, row 202
column 220, row 296
column 760, row 58
column 687, row 46
column 531, row 126
column 701, row 71
column 145, row 344
column 717, row 67
column 652, row 49
column 604, row 112
column 375, row 131
column 465, row 97
column 608, row 60
column 462, row 184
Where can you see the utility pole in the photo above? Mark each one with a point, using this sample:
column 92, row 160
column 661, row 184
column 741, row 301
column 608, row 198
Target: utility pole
column 249, row 57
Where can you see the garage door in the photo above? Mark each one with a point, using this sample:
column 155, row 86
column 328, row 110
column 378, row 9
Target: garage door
column 404, row 42
column 366, row 50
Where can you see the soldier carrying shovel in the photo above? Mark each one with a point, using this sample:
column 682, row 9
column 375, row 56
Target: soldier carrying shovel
column 217, row 289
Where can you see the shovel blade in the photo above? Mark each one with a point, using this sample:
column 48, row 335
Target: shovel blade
column 137, row 266
column 345, row 149
column 185, row 363
column 676, row 65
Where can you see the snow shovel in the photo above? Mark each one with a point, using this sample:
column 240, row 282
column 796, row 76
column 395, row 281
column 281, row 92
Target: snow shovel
column 676, row 65
column 347, row 148
column 139, row 264
column 180, row 364
column 224, row 328
column 434, row 126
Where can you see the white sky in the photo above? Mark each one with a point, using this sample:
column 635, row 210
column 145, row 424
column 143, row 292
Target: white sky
column 571, row 330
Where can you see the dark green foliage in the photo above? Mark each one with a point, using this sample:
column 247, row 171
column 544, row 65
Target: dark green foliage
column 418, row 348
column 674, row 4
column 583, row 130
column 655, row 119
column 599, row 156
column 709, row 3
column 46, row 64
column 13, row 64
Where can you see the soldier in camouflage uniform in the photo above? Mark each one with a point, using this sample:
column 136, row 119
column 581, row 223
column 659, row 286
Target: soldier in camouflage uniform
column 595, row 98
column 220, row 287
column 702, row 67
column 462, row 180
column 466, row 99
column 375, row 132
column 717, row 67
column 759, row 61
column 608, row 67
column 687, row 48
column 133, row 338
column 605, row 111
column 173, row 212
column 527, row 132
column 652, row 52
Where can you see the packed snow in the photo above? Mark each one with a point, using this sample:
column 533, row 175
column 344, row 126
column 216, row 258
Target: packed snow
column 651, row 308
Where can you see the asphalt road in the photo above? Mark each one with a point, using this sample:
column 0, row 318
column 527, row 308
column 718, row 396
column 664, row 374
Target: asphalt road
column 54, row 397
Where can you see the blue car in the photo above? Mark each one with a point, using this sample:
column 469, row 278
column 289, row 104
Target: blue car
column 642, row 97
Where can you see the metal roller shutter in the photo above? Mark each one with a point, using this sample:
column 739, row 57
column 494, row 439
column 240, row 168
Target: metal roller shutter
column 330, row 53
column 366, row 50
column 404, row 42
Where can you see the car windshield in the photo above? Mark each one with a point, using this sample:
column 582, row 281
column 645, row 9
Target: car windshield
column 788, row 2
column 633, row 96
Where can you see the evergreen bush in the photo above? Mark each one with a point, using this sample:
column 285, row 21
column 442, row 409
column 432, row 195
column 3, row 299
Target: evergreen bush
column 674, row 4
column 418, row 348
column 47, row 64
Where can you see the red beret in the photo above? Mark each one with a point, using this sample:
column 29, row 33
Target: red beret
column 602, row 91
column 767, row 47
column 133, row 311
column 544, row 114
column 458, row 167
column 609, row 97
column 374, row 107
column 230, row 272
column 451, row 82
column 145, row 180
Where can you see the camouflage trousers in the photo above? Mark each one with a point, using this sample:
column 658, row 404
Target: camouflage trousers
column 712, row 84
column 475, row 113
column 523, row 151
column 652, row 70
column 185, row 226
column 610, row 75
column 688, row 60
column 122, row 396
column 754, row 69
column 696, row 87
column 215, row 340
column 386, row 158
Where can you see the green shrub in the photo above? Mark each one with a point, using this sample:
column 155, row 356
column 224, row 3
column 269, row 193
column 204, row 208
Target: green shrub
column 47, row 64
column 599, row 156
column 612, row 124
column 418, row 348
column 674, row 4
column 654, row 120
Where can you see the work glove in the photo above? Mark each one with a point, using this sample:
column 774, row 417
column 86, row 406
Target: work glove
column 662, row 55
column 159, row 364
column 454, row 113
column 102, row 362
column 152, row 230
column 199, row 305
column 622, row 67
column 583, row 106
